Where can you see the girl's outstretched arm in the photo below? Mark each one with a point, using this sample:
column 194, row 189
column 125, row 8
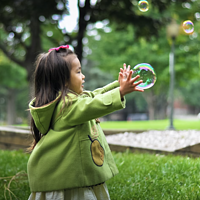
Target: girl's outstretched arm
column 87, row 107
column 104, row 89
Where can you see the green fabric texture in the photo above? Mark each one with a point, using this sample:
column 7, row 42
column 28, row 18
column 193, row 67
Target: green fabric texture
column 63, row 158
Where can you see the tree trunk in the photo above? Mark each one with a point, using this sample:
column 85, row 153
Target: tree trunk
column 32, row 52
column 83, row 11
column 150, row 98
column 11, row 109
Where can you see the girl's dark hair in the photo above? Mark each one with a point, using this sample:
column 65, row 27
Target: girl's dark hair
column 52, row 72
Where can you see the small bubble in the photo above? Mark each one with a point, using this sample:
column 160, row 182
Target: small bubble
column 143, row 5
column 188, row 26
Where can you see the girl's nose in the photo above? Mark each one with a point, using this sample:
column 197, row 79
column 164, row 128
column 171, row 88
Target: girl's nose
column 83, row 76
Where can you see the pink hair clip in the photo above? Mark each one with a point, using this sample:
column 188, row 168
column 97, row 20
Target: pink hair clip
column 60, row 47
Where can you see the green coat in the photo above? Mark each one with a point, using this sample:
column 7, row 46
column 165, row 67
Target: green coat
column 73, row 151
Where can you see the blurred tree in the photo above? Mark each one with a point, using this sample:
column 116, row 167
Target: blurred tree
column 188, row 58
column 126, row 13
column 192, row 95
column 12, row 81
column 24, row 24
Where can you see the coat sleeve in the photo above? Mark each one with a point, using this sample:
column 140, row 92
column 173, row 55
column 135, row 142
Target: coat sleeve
column 104, row 89
column 87, row 108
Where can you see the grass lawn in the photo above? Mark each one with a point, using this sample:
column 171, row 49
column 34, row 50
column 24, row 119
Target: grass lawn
column 141, row 177
column 157, row 177
column 13, row 177
column 151, row 125
column 147, row 125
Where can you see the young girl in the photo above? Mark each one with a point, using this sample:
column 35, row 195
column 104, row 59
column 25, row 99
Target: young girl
column 71, row 159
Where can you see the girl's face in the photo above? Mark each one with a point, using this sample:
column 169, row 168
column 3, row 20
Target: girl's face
column 76, row 77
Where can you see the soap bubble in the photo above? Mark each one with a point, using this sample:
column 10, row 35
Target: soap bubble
column 143, row 5
column 188, row 26
column 147, row 74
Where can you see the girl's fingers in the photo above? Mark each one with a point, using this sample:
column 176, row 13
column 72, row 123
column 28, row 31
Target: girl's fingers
column 138, row 82
column 129, row 75
column 135, row 78
column 128, row 68
column 125, row 66
column 139, row 90
column 121, row 74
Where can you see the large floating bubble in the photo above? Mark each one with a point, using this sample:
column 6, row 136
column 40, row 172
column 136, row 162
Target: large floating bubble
column 147, row 74
column 188, row 26
column 143, row 5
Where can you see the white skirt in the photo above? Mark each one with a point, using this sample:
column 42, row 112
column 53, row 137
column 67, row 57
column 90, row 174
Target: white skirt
column 99, row 192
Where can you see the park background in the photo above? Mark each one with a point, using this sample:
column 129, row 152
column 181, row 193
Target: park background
column 104, row 35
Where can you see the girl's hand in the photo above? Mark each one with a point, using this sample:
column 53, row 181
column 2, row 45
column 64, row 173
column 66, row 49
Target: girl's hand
column 125, row 71
column 127, row 84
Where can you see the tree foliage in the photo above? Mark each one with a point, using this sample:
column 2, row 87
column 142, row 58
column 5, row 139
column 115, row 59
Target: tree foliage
column 11, row 75
column 24, row 24
column 126, row 13
column 13, row 89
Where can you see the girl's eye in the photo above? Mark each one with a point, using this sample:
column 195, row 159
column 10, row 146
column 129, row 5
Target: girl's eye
column 79, row 72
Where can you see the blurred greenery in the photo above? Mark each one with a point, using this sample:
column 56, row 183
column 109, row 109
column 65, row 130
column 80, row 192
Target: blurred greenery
column 13, row 84
column 108, row 34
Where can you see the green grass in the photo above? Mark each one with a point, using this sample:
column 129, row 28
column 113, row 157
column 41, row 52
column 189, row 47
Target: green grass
column 13, row 177
column 151, row 125
column 141, row 177
column 156, row 177
column 148, row 125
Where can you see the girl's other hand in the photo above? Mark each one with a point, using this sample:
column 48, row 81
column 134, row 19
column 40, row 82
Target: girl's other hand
column 127, row 84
